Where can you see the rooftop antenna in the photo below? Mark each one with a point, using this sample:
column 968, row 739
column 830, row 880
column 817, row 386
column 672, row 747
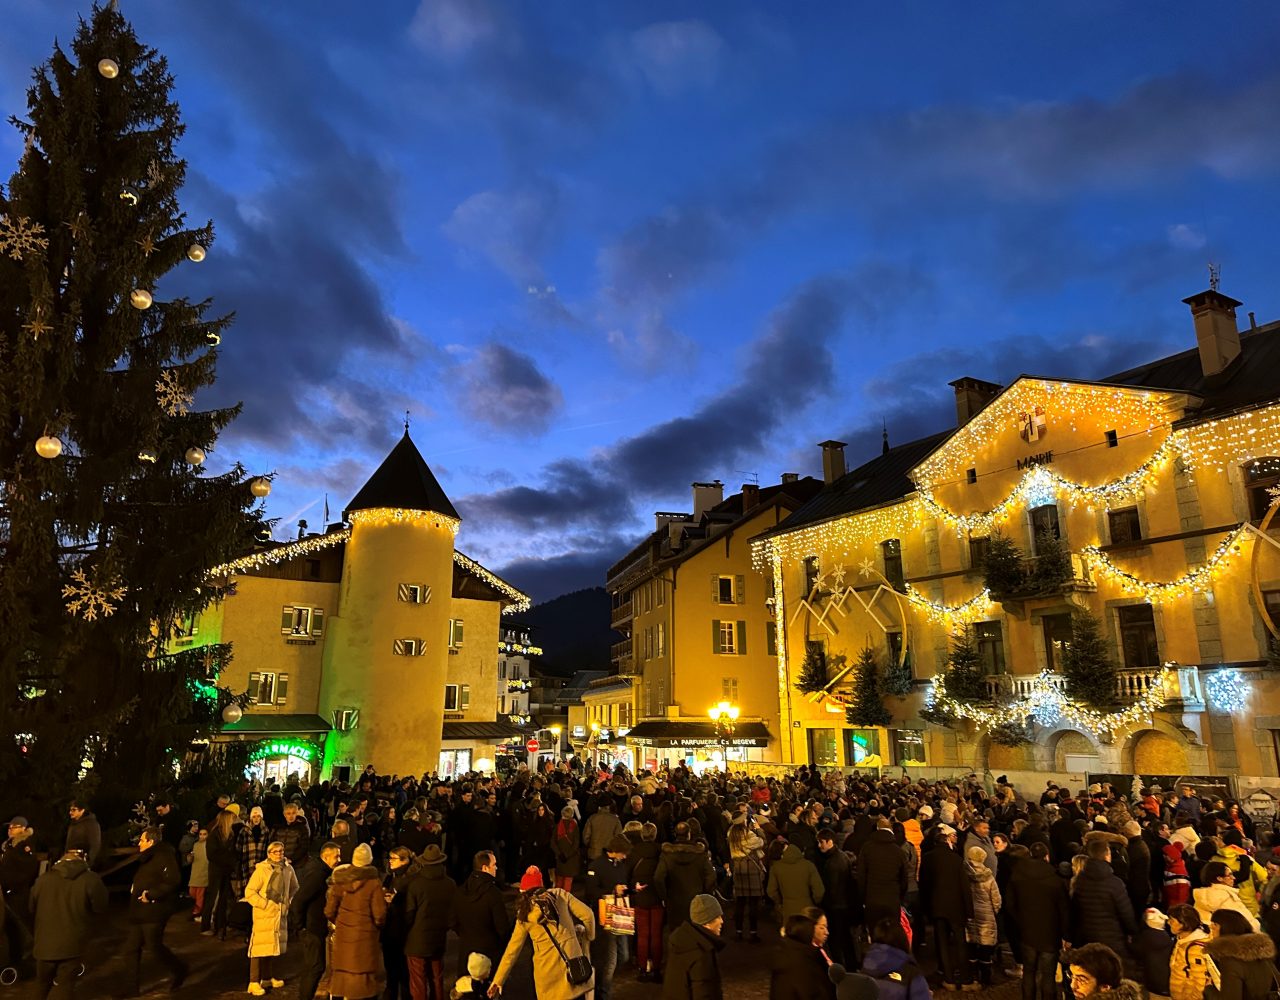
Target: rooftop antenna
column 751, row 477
column 406, row 421
column 884, row 445
column 1215, row 275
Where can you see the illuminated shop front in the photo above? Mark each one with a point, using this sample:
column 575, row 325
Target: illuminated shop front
column 655, row 742
column 275, row 760
column 285, row 744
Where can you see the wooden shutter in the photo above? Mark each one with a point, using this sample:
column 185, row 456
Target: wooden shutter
column 317, row 621
column 464, row 696
column 715, row 588
column 457, row 631
column 419, row 646
column 451, row 697
column 740, row 589
column 282, row 689
column 397, row 647
column 286, row 619
column 742, row 639
column 715, row 635
column 254, row 680
column 771, row 638
column 403, row 593
column 195, row 624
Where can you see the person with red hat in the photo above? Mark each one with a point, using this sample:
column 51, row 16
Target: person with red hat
column 560, row 927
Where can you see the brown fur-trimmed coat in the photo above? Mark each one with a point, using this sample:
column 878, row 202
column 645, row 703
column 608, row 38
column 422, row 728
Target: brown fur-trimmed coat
column 1239, row 967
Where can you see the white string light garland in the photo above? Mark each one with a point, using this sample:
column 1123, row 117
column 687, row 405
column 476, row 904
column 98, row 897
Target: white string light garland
column 1193, row 581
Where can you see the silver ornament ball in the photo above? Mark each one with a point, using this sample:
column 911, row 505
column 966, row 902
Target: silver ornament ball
column 232, row 714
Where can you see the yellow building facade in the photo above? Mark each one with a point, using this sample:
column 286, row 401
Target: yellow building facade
column 1142, row 498
column 698, row 625
column 375, row 642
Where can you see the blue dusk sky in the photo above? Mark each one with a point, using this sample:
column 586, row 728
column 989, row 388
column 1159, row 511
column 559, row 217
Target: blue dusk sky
column 603, row 250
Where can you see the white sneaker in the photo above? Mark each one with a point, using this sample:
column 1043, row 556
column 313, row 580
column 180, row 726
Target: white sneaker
column 277, row 983
column 256, row 990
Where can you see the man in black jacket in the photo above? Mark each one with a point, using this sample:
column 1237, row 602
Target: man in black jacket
column 882, row 874
column 1037, row 905
column 1100, row 907
column 946, row 898
column 307, row 914
column 64, row 901
column 693, row 971
column 151, row 902
column 608, row 877
column 480, row 916
column 684, row 870
column 428, row 912
column 295, row 834
column 837, row 895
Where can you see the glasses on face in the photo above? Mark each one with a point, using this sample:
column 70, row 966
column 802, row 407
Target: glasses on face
column 276, row 854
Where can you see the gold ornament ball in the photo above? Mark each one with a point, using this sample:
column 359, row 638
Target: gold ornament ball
column 148, row 455
column 48, row 447
column 140, row 298
column 260, row 487
column 195, row 253
column 195, row 455
column 130, row 194
column 109, row 68
column 232, row 714
column 213, row 338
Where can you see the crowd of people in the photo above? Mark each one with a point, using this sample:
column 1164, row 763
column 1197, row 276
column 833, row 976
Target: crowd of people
column 858, row 886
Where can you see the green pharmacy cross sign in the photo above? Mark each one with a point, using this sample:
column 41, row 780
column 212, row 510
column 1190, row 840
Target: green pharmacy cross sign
column 284, row 748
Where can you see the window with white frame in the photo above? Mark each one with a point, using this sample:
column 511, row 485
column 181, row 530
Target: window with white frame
column 457, row 697
column 408, row 647
column 728, row 637
column 729, row 689
column 661, row 649
column 299, row 620
column 266, row 687
column 413, row 593
column 455, row 633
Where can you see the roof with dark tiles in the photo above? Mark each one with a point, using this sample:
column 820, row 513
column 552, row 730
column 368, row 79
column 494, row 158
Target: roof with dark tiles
column 403, row 480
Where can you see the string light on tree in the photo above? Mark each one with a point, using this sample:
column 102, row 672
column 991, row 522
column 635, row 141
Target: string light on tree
column 1190, row 582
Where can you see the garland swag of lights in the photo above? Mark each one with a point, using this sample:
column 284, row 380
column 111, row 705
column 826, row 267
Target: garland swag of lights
column 967, row 611
column 1190, row 582
column 1047, row 702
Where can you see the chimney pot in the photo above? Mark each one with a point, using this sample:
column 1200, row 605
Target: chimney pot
column 972, row 394
column 791, row 477
column 706, row 496
column 750, row 496
column 1217, row 335
column 832, row 460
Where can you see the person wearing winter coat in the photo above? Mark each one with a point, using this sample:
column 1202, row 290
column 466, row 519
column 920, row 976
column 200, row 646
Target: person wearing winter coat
column 83, row 834
column 837, row 895
column 1153, row 946
column 251, row 840
column 645, row 856
column 395, row 929
column 882, row 874
column 600, row 828
column 479, row 913
column 65, row 901
column 945, row 895
column 1037, row 904
column 357, row 908
column 1250, row 877
column 1188, row 964
column 981, row 930
column 684, row 871
column 1177, row 883
column 693, row 967
column 568, row 850
column 295, row 834
column 746, row 862
column 198, row 876
column 428, row 914
column 1219, row 893
column 794, row 883
column 151, row 898
column 890, row 965
column 306, row 915
column 797, row 969
column 556, row 924
column 608, row 876
column 1241, row 961
column 270, row 891
column 1138, row 881
column 1100, row 909
column 1096, row 972
column 220, row 848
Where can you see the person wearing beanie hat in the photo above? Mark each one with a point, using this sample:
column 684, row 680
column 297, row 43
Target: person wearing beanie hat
column 560, row 928
column 428, row 914
column 251, row 840
column 357, row 908
column 693, row 968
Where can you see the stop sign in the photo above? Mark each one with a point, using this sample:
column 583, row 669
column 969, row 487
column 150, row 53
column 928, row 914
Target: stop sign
column 532, row 745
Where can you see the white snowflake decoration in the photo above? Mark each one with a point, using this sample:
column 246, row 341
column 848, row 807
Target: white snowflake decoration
column 1274, row 493
column 89, row 599
column 173, row 399
column 19, row 235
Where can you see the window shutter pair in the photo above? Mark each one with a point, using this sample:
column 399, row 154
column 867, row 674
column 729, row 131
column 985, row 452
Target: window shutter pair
column 408, row 647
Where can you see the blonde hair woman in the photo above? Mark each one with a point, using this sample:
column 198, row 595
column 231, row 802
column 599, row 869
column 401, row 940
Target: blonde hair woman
column 271, row 889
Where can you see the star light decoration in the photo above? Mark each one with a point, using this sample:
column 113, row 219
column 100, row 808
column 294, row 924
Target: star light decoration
column 37, row 324
column 1228, row 690
column 19, row 236
column 170, row 394
column 89, row 600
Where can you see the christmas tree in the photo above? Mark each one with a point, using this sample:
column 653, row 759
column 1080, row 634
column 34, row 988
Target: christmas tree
column 898, row 680
column 866, row 707
column 108, row 523
column 1003, row 572
column 1052, row 566
column 965, row 678
column 1087, row 665
column 813, row 671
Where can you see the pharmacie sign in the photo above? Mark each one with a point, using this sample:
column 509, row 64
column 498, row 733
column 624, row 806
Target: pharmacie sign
column 285, row 748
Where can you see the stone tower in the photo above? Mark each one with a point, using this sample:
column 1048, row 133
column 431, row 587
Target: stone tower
column 387, row 654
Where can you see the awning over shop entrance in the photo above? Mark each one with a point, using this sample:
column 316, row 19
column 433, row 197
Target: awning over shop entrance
column 493, row 732
column 276, row 725
column 693, row 735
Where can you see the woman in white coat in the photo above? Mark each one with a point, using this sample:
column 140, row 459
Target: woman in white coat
column 271, row 889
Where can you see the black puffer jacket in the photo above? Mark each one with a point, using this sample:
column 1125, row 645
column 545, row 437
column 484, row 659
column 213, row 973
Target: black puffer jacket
column 797, row 971
column 159, row 877
column 945, row 892
column 1243, row 963
column 296, row 837
column 480, row 917
column 1100, row 909
column 1037, row 905
column 65, row 901
column 428, row 912
column 684, row 871
column 644, row 859
column 882, row 872
column 693, row 970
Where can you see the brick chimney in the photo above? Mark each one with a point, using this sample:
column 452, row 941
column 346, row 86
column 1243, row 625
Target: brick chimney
column 750, row 496
column 972, row 394
column 706, row 496
column 1217, row 335
column 832, row 460
column 791, row 477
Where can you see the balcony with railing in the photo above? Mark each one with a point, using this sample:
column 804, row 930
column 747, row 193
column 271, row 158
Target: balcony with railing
column 621, row 614
column 1184, row 691
column 620, row 654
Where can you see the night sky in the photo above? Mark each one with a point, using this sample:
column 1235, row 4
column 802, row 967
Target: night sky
column 602, row 250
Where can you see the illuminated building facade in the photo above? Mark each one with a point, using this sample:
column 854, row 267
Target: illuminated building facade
column 1143, row 498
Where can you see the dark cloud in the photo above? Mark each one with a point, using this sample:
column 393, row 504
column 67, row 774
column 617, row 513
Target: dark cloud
column 665, row 253
column 571, row 492
column 544, row 579
column 505, row 389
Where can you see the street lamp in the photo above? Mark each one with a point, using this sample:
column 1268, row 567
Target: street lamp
column 724, row 717
column 595, row 744
column 555, row 735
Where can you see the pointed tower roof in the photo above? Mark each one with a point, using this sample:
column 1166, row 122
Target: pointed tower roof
column 403, row 480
